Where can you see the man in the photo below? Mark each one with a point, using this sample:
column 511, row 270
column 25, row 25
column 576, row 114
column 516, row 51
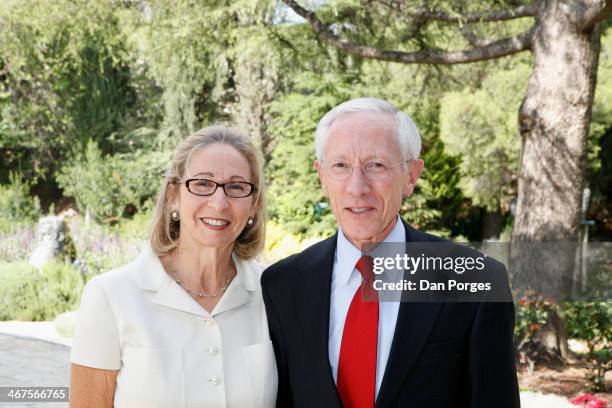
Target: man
column 333, row 348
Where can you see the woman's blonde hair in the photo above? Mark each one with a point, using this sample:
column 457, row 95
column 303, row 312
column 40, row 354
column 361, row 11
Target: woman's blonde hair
column 165, row 233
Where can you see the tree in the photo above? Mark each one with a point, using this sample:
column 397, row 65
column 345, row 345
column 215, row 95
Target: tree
column 555, row 113
column 479, row 127
column 314, row 80
column 61, row 84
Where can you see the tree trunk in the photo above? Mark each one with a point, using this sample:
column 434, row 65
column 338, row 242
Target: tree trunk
column 554, row 123
column 256, row 81
column 552, row 338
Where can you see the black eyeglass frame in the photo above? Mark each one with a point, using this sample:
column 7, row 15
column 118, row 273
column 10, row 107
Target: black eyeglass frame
column 222, row 185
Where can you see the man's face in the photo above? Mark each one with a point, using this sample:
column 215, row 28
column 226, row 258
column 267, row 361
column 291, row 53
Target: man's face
column 366, row 209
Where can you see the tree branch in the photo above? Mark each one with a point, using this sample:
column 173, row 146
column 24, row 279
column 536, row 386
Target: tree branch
column 472, row 38
column 592, row 12
column 494, row 49
column 528, row 10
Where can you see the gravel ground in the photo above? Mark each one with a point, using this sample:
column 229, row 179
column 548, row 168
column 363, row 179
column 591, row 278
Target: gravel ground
column 531, row 399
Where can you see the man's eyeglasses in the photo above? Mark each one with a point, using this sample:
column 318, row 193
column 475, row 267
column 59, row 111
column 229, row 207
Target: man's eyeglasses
column 373, row 170
column 205, row 187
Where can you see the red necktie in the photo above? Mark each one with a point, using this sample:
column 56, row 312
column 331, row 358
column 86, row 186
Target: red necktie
column 357, row 362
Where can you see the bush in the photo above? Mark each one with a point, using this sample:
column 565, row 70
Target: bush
column 101, row 248
column 280, row 244
column 16, row 203
column 592, row 321
column 135, row 228
column 19, row 286
column 531, row 315
column 61, row 289
column 17, row 241
column 111, row 186
column 29, row 294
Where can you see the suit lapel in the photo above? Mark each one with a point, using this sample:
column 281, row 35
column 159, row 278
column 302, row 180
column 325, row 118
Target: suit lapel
column 312, row 299
column 414, row 324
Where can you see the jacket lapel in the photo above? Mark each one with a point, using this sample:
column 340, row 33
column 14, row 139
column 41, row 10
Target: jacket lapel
column 414, row 324
column 312, row 302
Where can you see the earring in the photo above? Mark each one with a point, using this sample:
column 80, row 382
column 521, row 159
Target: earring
column 250, row 221
column 175, row 215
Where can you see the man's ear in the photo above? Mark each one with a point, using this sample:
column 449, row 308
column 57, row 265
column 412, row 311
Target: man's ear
column 320, row 171
column 415, row 167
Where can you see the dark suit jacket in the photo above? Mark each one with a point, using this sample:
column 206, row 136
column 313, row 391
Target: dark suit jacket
column 442, row 354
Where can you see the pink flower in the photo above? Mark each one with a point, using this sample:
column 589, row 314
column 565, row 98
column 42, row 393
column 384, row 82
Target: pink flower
column 589, row 401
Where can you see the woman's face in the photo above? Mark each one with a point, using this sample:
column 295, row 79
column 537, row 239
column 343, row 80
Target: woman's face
column 216, row 220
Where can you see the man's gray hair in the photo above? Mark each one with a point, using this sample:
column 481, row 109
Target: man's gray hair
column 407, row 134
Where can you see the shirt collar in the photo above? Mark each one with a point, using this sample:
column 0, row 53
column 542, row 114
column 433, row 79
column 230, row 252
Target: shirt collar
column 347, row 254
column 153, row 277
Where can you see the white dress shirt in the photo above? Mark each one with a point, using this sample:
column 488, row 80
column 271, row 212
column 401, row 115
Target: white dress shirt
column 170, row 352
column 345, row 281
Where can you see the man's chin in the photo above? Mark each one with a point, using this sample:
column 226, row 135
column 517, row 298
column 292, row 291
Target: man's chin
column 359, row 236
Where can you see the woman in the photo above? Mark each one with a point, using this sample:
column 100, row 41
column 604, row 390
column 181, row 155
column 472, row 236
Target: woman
column 184, row 325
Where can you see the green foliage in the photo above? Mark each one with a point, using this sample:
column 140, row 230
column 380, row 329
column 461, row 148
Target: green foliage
column 599, row 161
column 135, row 228
column 294, row 190
column 281, row 244
column 29, row 294
column 16, row 201
column 61, row 288
column 480, row 127
column 108, row 186
column 66, row 80
column 19, row 300
column 601, row 364
column 601, row 120
column 530, row 316
column 592, row 322
column 16, row 240
column 101, row 248
column 135, row 78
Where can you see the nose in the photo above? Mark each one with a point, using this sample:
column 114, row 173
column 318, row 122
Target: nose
column 357, row 184
column 218, row 201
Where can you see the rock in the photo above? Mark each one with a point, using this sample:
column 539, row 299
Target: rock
column 51, row 234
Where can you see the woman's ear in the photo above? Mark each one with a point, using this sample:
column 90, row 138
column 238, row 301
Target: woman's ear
column 172, row 196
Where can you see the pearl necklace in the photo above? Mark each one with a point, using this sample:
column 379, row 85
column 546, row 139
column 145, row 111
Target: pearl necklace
column 195, row 292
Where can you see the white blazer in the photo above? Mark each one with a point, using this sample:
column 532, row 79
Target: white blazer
column 169, row 351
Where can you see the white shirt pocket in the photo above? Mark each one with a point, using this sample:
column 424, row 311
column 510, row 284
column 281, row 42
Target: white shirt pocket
column 261, row 368
column 150, row 377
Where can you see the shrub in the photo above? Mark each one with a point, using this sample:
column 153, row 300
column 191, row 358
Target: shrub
column 592, row 322
column 29, row 294
column 16, row 203
column 281, row 244
column 61, row 288
column 111, row 186
column 19, row 287
column 531, row 315
column 16, row 241
column 135, row 228
column 100, row 248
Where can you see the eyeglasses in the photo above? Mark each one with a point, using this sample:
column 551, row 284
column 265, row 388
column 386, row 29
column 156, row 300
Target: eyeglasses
column 234, row 189
column 375, row 170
